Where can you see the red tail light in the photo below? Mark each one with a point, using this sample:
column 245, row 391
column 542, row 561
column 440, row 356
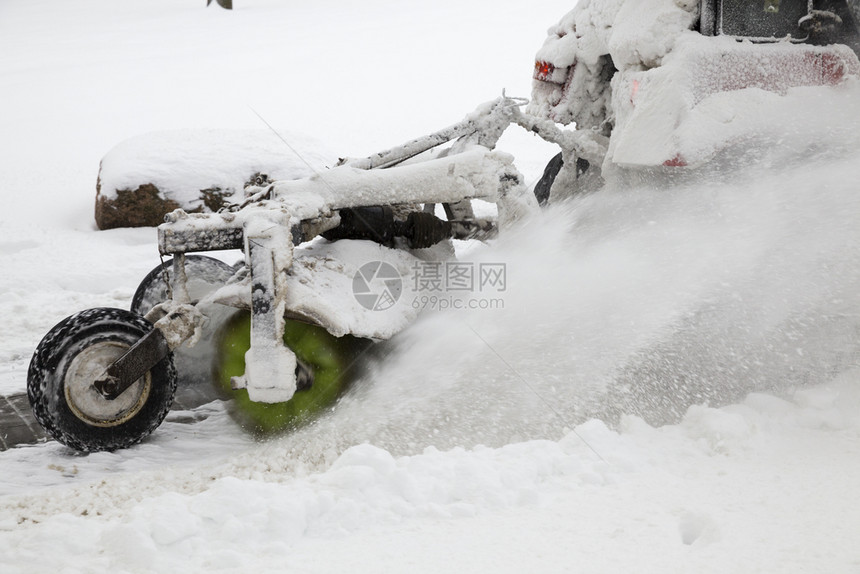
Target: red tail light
column 543, row 71
column 546, row 72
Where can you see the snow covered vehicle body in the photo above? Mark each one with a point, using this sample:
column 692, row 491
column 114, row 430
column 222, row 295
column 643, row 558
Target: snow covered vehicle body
column 674, row 83
column 103, row 379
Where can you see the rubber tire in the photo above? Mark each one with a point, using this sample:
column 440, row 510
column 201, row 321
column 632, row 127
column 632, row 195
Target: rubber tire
column 194, row 364
column 331, row 359
column 205, row 274
column 543, row 187
column 46, row 381
column 544, row 184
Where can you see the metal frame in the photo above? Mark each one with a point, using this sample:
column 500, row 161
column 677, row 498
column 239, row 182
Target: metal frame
column 268, row 224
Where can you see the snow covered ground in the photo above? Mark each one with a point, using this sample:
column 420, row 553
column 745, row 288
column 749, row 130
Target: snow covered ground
column 720, row 316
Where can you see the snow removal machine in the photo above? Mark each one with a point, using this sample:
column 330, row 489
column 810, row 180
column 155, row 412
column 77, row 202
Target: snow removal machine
column 325, row 258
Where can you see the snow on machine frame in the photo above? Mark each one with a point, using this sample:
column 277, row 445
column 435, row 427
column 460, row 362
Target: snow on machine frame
column 656, row 101
column 104, row 379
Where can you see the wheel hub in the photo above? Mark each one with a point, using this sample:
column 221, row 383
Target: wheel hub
column 86, row 402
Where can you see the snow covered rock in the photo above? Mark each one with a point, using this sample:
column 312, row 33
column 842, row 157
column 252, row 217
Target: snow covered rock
column 145, row 177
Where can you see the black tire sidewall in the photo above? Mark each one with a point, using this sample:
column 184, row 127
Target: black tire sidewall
column 194, row 364
column 153, row 290
column 544, row 185
column 47, row 372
